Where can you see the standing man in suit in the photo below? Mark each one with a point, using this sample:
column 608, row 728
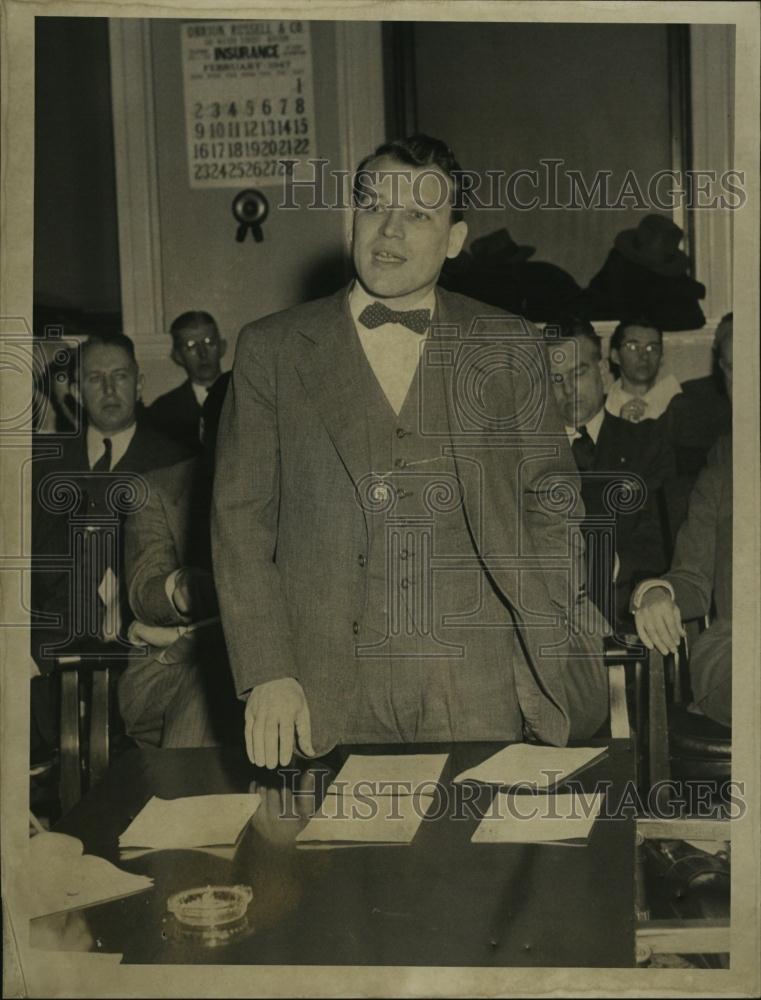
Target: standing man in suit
column 389, row 563
column 198, row 348
column 611, row 452
column 82, row 485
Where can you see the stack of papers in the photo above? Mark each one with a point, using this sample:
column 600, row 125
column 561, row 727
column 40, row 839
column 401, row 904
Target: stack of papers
column 198, row 821
column 536, row 767
column 539, row 819
column 63, row 878
column 376, row 800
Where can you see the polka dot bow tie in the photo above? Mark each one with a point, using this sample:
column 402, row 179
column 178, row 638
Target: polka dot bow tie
column 376, row 314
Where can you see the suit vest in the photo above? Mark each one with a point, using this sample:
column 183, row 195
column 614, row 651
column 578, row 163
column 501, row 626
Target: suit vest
column 437, row 649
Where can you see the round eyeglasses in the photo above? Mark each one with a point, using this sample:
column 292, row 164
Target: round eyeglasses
column 634, row 348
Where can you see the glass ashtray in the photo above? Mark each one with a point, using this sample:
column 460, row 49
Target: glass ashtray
column 210, row 906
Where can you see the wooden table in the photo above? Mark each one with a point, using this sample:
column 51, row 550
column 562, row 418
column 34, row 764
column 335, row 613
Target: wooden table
column 438, row 901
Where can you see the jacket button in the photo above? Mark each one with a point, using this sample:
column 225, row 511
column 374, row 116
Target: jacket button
column 405, row 583
column 361, row 559
column 403, row 554
column 401, row 432
column 355, row 627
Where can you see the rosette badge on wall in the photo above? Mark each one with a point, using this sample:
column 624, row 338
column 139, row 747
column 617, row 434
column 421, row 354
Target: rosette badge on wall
column 250, row 209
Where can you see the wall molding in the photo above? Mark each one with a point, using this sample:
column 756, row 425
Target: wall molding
column 136, row 178
column 712, row 65
column 360, row 89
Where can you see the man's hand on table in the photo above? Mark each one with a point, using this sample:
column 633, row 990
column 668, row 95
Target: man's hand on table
column 659, row 621
column 277, row 720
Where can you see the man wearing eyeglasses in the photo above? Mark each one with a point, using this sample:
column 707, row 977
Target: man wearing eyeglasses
column 610, row 453
column 198, row 348
column 636, row 349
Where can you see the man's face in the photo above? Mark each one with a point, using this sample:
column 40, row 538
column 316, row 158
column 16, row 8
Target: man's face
column 639, row 356
column 725, row 359
column 199, row 350
column 400, row 242
column 110, row 385
column 576, row 369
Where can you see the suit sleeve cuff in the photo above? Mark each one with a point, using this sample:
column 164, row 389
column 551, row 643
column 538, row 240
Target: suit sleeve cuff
column 642, row 589
column 169, row 585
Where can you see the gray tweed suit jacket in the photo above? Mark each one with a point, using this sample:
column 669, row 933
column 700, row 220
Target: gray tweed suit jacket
column 288, row 527
column 179, row 695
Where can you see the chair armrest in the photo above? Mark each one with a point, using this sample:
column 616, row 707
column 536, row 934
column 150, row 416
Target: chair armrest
column 626, row 648
column 620, row 729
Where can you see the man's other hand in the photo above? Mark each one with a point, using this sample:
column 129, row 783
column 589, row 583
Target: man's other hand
column 277, row 715
column 659, row 621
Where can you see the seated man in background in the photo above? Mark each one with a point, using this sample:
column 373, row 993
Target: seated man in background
column 80, row 485
column 636, row 351
column 607, row 449
column 693, row 422
column 198, row 348
column 700, row 579
column 177, row 691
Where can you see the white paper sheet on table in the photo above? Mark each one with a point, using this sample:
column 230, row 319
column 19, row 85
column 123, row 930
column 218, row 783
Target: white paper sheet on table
column 367, row 819
column 524, row 764
column 388, row 774
column 195, row 821
column 539, row 818
column 62, row 878
column 226, row 853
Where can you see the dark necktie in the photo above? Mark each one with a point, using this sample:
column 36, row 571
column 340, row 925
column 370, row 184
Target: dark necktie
column 104, row 462
column 376, row 314
column 583, row 450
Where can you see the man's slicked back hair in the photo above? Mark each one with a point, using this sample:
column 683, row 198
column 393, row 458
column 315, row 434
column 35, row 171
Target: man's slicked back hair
column 420, row 150
column 577, row 327
column 108, row 340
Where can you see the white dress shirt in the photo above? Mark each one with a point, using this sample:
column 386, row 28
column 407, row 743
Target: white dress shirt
column 593, row 427
column 200, row 392
column 120, row 441
column 392, row 350
column 656, row 400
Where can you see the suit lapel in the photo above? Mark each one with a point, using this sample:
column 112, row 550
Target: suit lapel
column 187, row 398
column 602, row 445
column 75, row 459
column 468, row 469
column 330, row 374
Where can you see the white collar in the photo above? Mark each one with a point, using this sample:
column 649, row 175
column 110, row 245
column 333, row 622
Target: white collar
column 593, row 426
column 200, row 391
column 120, row 441
column 656, row 399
